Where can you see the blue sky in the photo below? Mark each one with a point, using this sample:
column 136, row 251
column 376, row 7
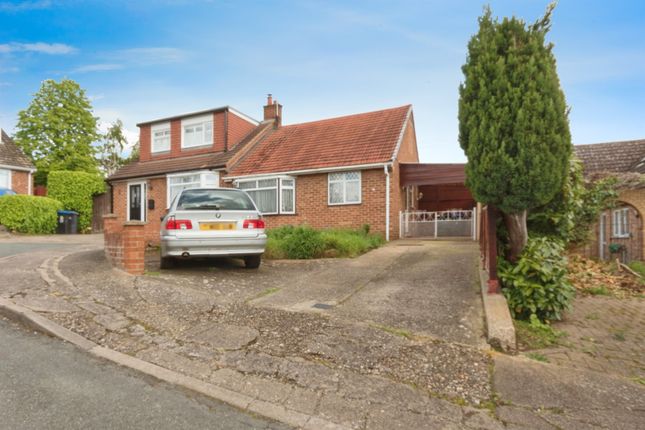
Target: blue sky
column 140, row 60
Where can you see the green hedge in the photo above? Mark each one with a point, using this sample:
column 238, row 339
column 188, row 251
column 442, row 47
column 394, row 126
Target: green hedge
column 75, row 191
column 29, row 214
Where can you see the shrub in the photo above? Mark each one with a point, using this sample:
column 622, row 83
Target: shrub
column 29, row 214
column 304, row 242
column 75, row 191
column 537, row 284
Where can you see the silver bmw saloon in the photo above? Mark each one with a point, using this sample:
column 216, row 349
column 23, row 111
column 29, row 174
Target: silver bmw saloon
column 213, row 222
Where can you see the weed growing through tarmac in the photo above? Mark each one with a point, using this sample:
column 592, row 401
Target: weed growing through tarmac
column 592, row 316
column 537, row 357
column 264, row 293
column 531, row 336
column 638, row 380
column 598, row 291
column 395, row 331
column 619, row 335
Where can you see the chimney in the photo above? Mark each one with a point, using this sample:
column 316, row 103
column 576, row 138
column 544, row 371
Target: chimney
column 273, row 111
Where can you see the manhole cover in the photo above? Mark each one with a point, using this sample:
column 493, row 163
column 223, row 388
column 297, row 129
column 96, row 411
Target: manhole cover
column 322, row 306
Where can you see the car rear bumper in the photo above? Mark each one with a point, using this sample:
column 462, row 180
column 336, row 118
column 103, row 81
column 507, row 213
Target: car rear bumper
column 231, row 247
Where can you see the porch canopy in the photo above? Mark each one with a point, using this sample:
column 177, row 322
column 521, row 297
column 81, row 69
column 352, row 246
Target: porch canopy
column 442, row 186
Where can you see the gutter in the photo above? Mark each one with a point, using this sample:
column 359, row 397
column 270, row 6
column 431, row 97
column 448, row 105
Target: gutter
column 308, row 171
column 18, row 168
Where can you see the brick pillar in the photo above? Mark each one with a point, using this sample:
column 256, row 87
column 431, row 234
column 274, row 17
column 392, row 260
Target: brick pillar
column 134, row 247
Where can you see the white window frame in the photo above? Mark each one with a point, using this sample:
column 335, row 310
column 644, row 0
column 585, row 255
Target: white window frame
column 202, row 120
column 344, row 182
column 9, row 175
column 164, row 127
column 278, row 187
column 281, row 187
column 620, row 223
column 144, row 200
column 203, row 181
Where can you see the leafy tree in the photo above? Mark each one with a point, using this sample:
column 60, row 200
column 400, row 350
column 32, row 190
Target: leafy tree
column 111, row 147
column 134, row 154
column 574, row 210
column 513, row 120
column 57, row 129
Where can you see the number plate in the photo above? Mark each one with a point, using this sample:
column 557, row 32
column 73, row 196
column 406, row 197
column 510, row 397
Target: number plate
column 216, row 226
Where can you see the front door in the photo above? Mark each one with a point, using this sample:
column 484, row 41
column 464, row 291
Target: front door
column 602, row 240
column 136, row 199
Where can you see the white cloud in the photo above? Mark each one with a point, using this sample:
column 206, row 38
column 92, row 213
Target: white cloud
column 39, row 47
column 21, row 6
column 100, row 67
column 11, row 69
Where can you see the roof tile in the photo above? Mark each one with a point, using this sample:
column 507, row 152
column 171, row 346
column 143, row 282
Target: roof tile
column 364, row 138
column 11, row 155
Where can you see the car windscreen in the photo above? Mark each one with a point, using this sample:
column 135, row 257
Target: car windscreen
column 214, row 199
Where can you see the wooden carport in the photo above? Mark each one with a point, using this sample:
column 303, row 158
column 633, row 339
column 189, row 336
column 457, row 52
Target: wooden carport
column 438, row 187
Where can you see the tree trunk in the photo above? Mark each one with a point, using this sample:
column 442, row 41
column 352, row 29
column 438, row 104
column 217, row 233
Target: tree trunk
column 517, row 234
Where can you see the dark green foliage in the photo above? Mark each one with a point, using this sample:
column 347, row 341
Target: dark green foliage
column 75, row 191
column 305, row 242
column 573, row 211
column 537, row 284
column 58, row 129
column 513, row 123
column 29, row 214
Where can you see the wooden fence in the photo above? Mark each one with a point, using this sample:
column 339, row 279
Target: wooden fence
column 488, row 246
column 101, row 206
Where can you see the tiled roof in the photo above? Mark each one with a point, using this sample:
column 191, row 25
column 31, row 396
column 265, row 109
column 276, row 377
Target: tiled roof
column 11, row 155
column 139, row 169
column 613, row 157
column 364, row 138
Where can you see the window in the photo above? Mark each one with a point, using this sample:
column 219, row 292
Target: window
column 197, row 131
column 160, row 138
column 620, row 222
column 344, row 188
column 136, row 201
column 272, row 195
column 215, row 199
column 184, row 181
column 5, row 178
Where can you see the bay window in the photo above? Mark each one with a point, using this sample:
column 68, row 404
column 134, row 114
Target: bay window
column 185, row 181
column 197, row 131
column 344, row 188
column 160, row 138
column 272, row 195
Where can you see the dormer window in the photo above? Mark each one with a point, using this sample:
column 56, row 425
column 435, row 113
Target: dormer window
column 160, row 138
column 197, row 131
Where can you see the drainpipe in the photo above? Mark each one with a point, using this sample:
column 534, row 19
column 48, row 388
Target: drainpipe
column 387, row 202
column 30, row 185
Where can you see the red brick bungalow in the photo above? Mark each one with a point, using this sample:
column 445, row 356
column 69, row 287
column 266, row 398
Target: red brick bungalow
column 338, row 172
column 16, row 170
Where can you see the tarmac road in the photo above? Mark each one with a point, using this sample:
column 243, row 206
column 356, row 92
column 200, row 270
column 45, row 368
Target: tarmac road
column 48, row 384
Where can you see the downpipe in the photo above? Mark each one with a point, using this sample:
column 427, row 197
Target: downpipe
column 387, row 202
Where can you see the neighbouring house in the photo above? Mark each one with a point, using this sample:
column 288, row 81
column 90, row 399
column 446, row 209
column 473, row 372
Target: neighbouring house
column 619, row 228
column 340, row 172
column 16, row 170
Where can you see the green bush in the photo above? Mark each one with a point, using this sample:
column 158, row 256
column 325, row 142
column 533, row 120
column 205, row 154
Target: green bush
column 29, row 214
column 75, row 191
column 537, row 284
column 304, row 242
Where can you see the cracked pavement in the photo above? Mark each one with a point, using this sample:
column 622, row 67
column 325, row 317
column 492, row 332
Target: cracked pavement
column 398, row 344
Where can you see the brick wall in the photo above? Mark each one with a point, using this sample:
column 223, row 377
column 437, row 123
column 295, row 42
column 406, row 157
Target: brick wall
column 312, row 208
column 124, row 244
column 155, row 190
column 237, row 129
column 20, row 182
column 635, row 200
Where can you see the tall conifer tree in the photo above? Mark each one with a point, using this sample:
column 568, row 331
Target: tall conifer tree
column 513, row 120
